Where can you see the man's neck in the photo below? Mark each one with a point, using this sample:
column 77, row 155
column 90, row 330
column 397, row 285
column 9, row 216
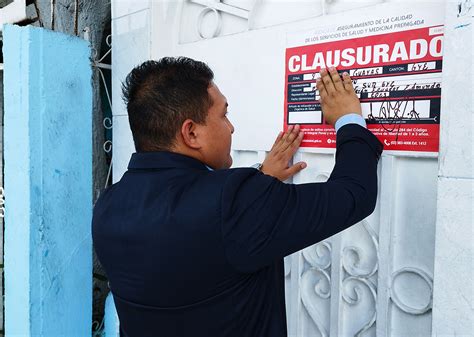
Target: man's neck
column 186, row 151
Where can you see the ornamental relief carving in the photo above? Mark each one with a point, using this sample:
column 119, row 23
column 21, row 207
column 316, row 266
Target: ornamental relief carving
column 206, row 19
column 315, row 285
column 359, row 287
column 409, row 288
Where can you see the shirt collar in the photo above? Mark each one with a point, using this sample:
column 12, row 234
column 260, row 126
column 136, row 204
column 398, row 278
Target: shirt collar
column 163, row 159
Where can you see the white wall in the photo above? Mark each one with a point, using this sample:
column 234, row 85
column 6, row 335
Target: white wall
column 453, row 308
column 391, row 260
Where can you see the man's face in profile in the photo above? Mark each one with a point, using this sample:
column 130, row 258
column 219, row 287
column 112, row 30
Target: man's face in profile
column 217, row 132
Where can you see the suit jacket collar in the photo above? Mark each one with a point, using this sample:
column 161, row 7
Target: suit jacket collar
column 163, row 159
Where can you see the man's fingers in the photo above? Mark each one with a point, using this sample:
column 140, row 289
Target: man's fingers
column 296, row 144
column 327, row 81
column 290, row 138
column 346, row 79
column 336, row 79
column 292, row 170
column 285, row 146
column 284, row 136
column 320, row 86
column 277, row 140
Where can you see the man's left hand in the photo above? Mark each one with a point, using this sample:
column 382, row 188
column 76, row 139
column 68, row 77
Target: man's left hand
column 284, row 148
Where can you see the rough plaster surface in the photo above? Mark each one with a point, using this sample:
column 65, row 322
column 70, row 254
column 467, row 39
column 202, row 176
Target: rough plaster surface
column 93, row 15
column 456, row 139
column 453, row 307
column 453, row 297
column 1, row 183
column 48, row 174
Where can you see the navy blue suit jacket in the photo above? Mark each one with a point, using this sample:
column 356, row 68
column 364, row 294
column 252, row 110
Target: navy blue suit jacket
column 194, row 252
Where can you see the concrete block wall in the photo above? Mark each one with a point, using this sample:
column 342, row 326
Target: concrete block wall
column 48, row 179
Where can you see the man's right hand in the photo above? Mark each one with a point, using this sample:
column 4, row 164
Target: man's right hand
column 337, row 96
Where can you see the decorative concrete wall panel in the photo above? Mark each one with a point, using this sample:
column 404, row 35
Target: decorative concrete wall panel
column 48, row 180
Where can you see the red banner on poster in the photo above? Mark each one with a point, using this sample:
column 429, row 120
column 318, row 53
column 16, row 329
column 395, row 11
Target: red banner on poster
column 397, row 77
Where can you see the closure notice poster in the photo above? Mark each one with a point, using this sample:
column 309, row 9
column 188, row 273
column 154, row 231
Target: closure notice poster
column 395, row 63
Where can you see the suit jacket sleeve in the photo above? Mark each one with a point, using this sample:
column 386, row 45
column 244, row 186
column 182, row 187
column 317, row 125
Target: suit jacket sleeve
column 264, row 219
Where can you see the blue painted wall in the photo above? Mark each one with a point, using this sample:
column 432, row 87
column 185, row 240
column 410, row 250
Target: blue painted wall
column 48, row 179
column 111, row 321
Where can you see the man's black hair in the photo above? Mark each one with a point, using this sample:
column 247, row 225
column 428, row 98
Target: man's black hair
column 161, row 95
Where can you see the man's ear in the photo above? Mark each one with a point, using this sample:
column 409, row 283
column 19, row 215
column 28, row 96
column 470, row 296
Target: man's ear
column 189, row 134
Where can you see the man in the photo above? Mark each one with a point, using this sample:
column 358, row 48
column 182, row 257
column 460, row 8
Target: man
column 193, row 248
